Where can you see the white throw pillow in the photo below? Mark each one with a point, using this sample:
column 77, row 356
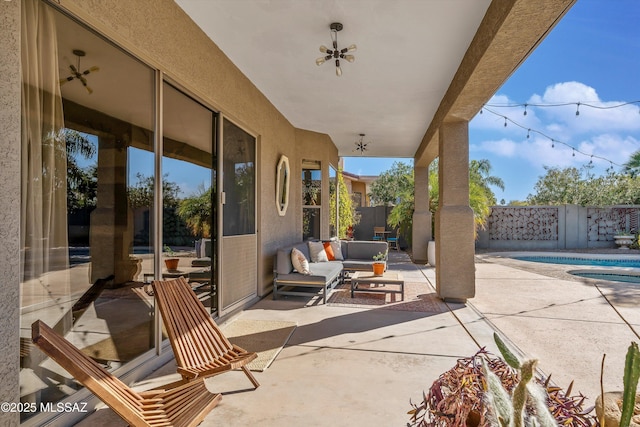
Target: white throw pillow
column 300, row 262
column 316, row 249
column 336, row 247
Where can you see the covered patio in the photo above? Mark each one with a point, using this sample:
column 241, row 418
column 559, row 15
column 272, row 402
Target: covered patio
column 359, row 365
column 249, row 80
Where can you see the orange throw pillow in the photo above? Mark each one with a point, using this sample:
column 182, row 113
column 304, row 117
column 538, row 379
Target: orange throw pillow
column 329, row 251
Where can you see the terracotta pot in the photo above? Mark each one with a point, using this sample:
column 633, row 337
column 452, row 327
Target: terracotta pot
column 378, row 268
column 172, row 263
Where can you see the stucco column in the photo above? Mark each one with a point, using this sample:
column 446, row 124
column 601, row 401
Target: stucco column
column 421, row 230
column 455, row 269
column 10, row 94
column 111, row 233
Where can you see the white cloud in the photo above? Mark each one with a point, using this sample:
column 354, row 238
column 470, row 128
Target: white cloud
column 490, row 121
column 613, row 134
column 595, row 115
column 610, row 146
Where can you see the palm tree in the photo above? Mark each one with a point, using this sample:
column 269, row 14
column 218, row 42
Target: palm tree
column 632, row 167
column 481, row 197
column 196, row 212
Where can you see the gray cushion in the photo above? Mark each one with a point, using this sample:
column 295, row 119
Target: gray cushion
column 365, row 250
column 283, row 261
column 283, row 257
column 354, row 264
column 321, row 273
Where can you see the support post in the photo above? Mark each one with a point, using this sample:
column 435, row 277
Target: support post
column 455, row 252
column 421, row 230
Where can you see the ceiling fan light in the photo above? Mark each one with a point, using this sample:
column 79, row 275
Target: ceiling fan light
column 352, row 48
column 320, row 61
column 323, row 49
column 338, row 71
column 350, row 58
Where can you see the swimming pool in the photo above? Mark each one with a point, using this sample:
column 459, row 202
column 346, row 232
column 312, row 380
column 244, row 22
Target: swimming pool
column 579, row 260
column 617, row 268
column 613, row 276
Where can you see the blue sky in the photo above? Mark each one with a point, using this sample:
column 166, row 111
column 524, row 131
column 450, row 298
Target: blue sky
column 593, row 57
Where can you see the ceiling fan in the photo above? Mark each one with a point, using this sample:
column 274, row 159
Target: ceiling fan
column 76, row 74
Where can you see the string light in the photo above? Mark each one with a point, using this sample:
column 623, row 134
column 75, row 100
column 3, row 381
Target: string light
column 563, row 104
column 574, row 150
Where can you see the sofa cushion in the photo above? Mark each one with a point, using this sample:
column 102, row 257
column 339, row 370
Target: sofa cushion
column 321, row 273
column 365, row 250
column 357, row 264
column 336, row 249
column 299, row 262
column 283, row 261
column 318, row 254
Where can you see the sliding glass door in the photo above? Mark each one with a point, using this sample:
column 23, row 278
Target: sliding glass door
column 239, row 241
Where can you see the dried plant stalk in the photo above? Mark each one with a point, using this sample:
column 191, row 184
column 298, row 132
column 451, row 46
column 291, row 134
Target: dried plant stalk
column 457, row 397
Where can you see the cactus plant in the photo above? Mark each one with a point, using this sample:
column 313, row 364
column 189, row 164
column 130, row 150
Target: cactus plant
column 630, row 381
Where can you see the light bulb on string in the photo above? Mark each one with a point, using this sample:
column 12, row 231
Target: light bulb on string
column 525, row 110
column 578, row 109
column 553, row 141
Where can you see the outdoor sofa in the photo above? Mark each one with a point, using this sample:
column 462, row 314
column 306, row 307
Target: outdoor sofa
column 357, row 256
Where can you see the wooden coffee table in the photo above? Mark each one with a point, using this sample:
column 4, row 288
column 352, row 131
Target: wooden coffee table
column 368, row 278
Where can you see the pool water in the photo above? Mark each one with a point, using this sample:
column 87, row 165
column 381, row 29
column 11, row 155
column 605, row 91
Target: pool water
column 609, row 276
column 582, row 261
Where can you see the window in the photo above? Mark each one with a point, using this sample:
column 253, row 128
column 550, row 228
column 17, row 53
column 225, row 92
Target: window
column 188, row 187
column 311, row 199
column 86, row 234
column 238, row 164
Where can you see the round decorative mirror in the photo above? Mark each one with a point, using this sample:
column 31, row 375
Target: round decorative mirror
column 283, row 175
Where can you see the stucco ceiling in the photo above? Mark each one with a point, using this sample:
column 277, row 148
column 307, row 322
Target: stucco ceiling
column 408, row 52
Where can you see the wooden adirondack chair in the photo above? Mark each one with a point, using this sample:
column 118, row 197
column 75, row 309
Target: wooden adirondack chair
column 200, row 348
column 185, row 405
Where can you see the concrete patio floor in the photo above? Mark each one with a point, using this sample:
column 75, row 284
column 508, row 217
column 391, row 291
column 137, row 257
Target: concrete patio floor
column 346, row 366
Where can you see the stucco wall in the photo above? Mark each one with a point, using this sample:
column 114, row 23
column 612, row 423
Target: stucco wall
column 148, row 29
column 10, row 207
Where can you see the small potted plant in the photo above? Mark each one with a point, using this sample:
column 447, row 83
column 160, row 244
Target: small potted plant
column 171, row 262
column 379, row 264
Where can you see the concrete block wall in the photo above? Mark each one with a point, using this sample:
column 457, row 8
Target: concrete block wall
column 556, row 227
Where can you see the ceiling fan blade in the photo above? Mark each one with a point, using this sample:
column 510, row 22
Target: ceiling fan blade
column 66, row 79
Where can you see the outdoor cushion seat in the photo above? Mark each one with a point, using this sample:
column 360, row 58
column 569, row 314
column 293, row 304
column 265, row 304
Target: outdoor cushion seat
column 321, row 272
column 358, row 256
column 357, row 265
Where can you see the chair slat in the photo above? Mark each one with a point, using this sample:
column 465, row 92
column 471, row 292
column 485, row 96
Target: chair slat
column 199, row 346
column 193, row 399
